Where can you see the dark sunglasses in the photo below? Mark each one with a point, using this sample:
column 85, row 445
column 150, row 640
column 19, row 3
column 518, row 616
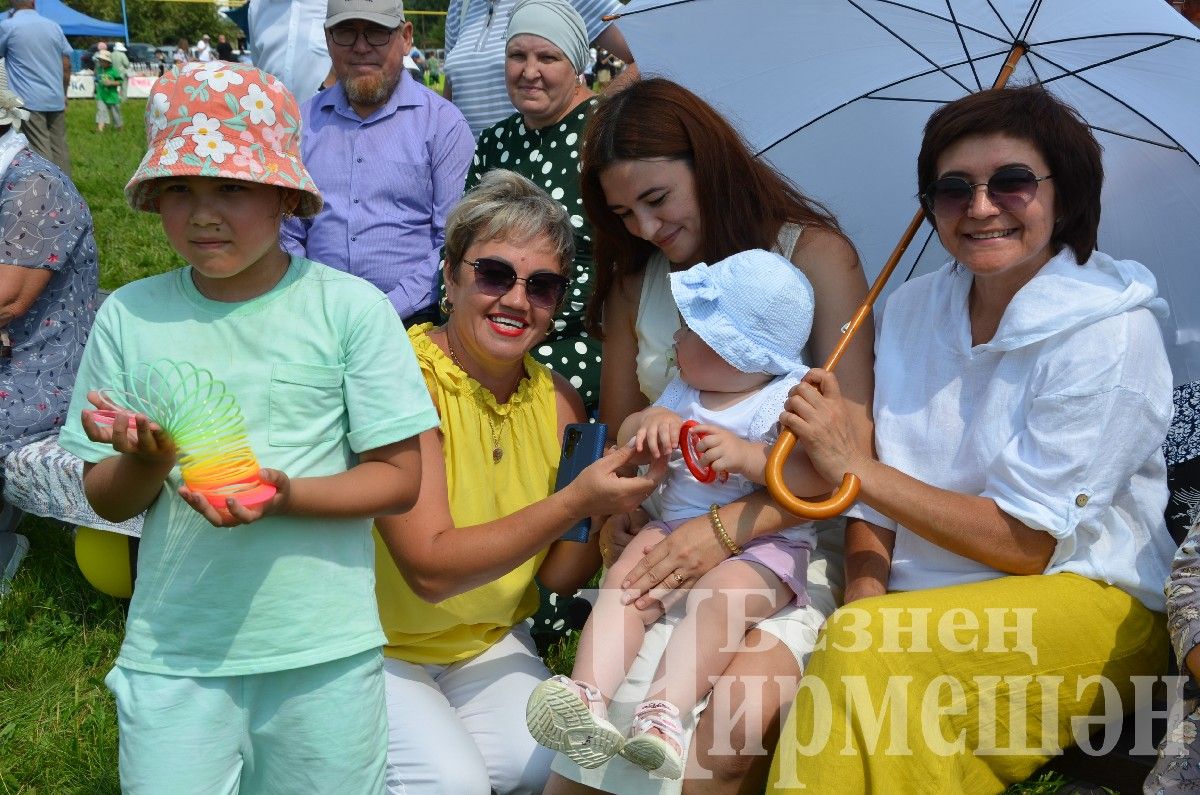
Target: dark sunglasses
column 1010, row 189
column 496, row 277
column 346, row 36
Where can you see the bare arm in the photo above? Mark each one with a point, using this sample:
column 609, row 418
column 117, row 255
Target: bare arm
column 868, row 559
column 440, row 560
column 620, row 394
column 66, row 74
column 447, row 91
column 613, row 40
column 19, row 288
column 122, row 486
column 386, row 480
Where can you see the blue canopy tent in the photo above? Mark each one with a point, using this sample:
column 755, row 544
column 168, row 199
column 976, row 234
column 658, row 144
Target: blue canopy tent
column 76, row 23
column 240, row 16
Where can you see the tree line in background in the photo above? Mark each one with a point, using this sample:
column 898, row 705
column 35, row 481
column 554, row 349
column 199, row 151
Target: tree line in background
column 158, row 22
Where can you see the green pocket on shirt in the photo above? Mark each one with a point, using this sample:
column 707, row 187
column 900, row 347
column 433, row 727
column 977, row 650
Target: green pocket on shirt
column 307, row 404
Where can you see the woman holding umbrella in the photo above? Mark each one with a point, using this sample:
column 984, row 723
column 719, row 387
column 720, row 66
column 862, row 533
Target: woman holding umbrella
column 1022, row 395
column 668, row 183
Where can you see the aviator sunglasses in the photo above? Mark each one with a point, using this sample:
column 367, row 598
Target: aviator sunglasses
column 1011, row 189
column 496, row 277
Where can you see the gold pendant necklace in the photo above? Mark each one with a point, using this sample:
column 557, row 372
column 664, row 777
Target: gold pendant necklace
column 497, row 451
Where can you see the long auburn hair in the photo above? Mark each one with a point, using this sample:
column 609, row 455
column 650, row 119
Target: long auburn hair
column 743, row 201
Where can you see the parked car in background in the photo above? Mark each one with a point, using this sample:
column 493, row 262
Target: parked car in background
column 85, row 60
column 141, row 53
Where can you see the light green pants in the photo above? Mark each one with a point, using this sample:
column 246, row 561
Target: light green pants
column 318, row 729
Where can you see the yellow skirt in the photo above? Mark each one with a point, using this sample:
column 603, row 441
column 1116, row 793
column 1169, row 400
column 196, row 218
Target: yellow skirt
column 963, row 689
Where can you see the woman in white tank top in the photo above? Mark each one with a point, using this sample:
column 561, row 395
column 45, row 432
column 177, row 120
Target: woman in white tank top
column 668, row 183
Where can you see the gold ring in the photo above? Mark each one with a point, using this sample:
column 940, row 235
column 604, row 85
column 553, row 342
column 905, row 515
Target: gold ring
column 678, row 579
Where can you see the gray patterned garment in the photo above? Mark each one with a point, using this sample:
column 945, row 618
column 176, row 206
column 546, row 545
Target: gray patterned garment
column 44, row 223
column 1178, row 767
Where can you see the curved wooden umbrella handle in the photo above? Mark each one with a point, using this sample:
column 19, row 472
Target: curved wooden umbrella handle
column 847, row 492
column 837, row 504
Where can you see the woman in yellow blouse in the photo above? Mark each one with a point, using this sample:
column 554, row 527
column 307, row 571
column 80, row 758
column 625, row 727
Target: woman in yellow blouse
column 459, row 663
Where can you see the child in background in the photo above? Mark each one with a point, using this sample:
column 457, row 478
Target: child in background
column 251, row 660
column 745, row 322
column 108, row 80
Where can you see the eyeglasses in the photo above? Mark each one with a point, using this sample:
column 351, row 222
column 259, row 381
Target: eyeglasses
column 1010, row 189
column 346, row 36
column 496, row 277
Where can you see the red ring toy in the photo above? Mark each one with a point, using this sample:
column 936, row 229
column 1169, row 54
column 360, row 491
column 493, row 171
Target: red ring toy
column 687, row 443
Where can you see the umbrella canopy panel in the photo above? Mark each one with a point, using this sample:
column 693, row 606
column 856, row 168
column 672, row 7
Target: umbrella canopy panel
column 836, row 95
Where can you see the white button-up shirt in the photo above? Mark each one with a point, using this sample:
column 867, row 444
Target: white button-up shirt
column 287, row 39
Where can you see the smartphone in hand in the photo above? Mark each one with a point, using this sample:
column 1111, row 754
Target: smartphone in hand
column 583, row 443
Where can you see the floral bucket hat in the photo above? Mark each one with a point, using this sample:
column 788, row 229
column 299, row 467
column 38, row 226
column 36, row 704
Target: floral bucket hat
column 225, row 120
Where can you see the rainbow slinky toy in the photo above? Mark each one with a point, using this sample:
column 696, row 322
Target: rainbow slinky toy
column 203, row 419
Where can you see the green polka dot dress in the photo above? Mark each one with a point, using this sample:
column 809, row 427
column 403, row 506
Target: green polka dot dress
column 549, row 157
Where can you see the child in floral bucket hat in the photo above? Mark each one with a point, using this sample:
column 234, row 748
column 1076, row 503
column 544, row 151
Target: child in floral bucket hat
column 739, row 354
column 251, row 656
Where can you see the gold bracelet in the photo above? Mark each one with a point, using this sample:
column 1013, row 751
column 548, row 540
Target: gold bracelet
column 718, row 527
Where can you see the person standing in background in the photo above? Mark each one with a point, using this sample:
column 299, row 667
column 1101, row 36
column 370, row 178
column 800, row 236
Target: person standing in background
column 475, row 71
column 108, row 92
column 39, row 68
column 389, row 156
column 204, row 52
column 120, row 62
column 224, row 49
column 287, row 39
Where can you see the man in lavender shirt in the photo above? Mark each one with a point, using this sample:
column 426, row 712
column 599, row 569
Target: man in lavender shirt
column 389, row 156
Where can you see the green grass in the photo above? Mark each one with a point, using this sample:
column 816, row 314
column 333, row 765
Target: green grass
column 131, row 244
column 58, row 638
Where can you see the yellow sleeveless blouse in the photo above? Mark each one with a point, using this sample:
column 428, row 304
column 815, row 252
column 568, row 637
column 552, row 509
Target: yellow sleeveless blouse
column 480, row 491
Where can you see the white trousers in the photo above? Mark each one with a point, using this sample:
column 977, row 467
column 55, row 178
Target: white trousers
column 460, row 728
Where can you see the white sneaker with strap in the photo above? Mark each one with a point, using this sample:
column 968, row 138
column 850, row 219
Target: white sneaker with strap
column 661, row 753
column 570, row 717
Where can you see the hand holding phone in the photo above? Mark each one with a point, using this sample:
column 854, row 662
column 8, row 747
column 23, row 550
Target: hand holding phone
column 583, row 444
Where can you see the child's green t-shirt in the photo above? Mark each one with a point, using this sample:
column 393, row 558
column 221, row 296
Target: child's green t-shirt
column 322, row 369
column 108, row 94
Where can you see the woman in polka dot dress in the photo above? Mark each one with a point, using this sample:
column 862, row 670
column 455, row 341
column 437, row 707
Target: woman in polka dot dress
column 668, row 183
column 546, row 53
